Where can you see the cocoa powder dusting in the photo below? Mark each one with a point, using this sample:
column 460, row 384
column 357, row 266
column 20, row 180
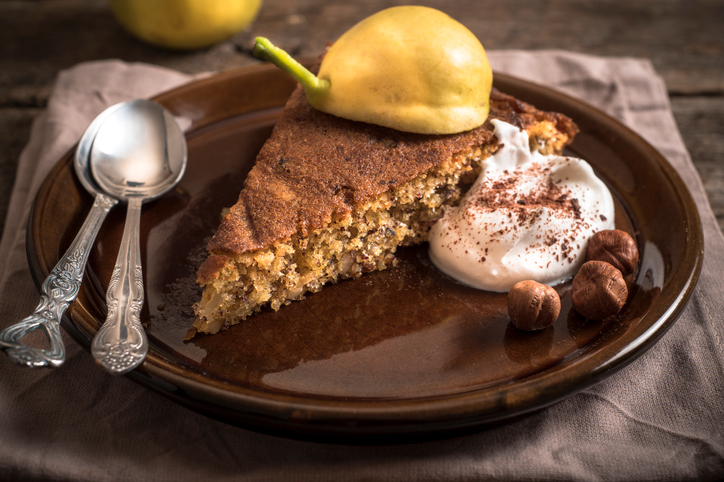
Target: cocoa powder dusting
column 525, row 206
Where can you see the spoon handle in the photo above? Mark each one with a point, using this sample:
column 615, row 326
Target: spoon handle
column 120, row 344
column 58, row 291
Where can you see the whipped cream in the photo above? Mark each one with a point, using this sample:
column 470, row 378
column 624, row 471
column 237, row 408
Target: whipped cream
column 527, row 217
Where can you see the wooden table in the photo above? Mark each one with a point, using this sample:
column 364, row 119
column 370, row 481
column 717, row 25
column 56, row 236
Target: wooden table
column 682, row 38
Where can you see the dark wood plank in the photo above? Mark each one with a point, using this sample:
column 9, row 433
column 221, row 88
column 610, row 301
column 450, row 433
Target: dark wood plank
column 701, row 123
column 683, row 39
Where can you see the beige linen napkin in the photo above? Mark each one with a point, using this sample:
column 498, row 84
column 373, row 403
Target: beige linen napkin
column 662, row 417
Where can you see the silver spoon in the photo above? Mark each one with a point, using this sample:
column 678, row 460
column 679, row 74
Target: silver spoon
column 138, row 154
column 62, row 285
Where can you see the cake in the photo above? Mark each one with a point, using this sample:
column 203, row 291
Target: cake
column 331, row 199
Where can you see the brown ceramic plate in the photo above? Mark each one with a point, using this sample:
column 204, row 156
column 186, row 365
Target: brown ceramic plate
column 405, row 352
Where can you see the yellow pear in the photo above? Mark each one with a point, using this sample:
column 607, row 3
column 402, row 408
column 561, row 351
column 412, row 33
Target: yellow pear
column 411, row 68
column 184, row 24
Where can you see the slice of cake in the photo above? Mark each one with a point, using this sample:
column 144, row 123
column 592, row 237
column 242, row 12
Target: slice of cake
column 331, row 199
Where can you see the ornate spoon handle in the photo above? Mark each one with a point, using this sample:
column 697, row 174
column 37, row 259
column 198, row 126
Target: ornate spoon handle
column 120, row 344
column 58, row 291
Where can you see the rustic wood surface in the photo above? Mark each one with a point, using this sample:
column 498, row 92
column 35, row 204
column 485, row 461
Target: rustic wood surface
column 683, row 39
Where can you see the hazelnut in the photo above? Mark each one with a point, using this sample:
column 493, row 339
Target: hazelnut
column 598, row 290
column 533, row 306
column 615, row 247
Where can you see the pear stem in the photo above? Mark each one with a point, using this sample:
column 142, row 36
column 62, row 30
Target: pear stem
column 312, row 84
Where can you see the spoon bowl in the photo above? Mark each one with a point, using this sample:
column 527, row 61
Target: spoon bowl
column 81, row 161
column 138, row 154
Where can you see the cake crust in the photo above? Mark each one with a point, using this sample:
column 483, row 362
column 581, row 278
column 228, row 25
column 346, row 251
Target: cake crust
column 316, row 167
column 331, row 199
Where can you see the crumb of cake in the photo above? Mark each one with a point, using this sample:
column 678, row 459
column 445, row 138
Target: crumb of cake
column 363, row 241
column 332, row 199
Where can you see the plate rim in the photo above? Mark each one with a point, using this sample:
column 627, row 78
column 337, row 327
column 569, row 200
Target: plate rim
column 330, row 418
